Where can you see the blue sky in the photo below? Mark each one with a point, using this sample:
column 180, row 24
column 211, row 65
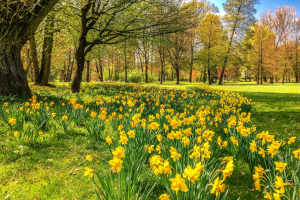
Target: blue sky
column 265, row 5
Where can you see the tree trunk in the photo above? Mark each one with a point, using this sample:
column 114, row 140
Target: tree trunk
column 97, row 69
column 13, row 80
column 177, row 75
column 257, row 75
column 71, row 72
column 209, row 76
column 101, row 71
column 80, row 60
column 191, row 62
column 146, row 69
column 47, row 51
column 87, row 78
column 283, row 76
column 161, row 73
column 68, row 70
column 271, row 79
column 125, row 64
column 36, row 71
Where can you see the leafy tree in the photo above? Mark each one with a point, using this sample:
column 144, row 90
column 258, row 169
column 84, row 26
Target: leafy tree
column 210, row 35
column 239, row 15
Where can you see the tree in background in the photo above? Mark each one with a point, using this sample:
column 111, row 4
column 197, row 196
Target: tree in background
column 239, row 15
column 210, row 36
column 262, row 46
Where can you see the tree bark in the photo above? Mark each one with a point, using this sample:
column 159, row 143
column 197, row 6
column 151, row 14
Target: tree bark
column 19, row 25
column 125, row 64
column 191, row 62
column 47, row 51
column 36, row 70
column 80, row 52
column 13, row 80
column 146, row 68
column 177, row 75
column 87, row 79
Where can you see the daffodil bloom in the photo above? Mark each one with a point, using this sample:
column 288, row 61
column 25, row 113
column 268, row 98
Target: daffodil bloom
column 12, row 121
column 164, row 197
column 159, row 138
column 5, row 104
column 297, row 153
column 89, row 158
column 116, row 164
column 16, row 133
column 178, row 183
column 253, row 147
column 262, row 152
column 93, row 114
column 174, row 154
column 153, row 126
column 228, row 170
column 131, row 134
column 218, row 187
column 277, row 194
column 234, row 141
column 119, row 153
column 280, row 184
column 191, row 174
column 53, row 114
column 167, row 167
column 185, row 141
column 123, row 139
column 150, row 148
column 158, row 149
column 88, row 172
column 108, row 140
column 257, row 185
column 280, row 166
column 40, row 132
column 292, row 140
column 64, row 118
column 268, row 196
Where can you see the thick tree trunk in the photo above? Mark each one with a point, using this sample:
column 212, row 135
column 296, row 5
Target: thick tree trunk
column 177, row 75
column 97, row 69
column 36, row 70
column 101, row 71
column 87, row 79
column 47, row 51
column 209, row 76
column 13, row 80
column 80, row 60
column 271, row 79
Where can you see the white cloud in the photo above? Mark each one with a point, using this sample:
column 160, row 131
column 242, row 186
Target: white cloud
column 221, row 13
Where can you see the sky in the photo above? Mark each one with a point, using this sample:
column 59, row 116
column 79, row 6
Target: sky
column 264, row 5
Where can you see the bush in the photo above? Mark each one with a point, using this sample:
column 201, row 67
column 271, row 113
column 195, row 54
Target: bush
column 135, row 76
column 152, row 78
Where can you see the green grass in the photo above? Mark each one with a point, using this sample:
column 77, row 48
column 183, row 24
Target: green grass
column 56, row 171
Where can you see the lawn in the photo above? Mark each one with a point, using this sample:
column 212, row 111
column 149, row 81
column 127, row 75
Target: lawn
column 54, row 168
